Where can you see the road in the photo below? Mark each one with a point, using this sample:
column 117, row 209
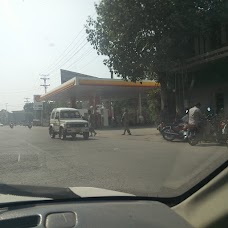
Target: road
column 142, row 164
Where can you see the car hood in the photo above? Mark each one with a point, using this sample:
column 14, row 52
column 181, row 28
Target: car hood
column 73, row 121
column 20, row 193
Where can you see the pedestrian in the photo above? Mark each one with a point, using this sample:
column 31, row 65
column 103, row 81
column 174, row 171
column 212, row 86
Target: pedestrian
column 125, row 122
column 91, row 120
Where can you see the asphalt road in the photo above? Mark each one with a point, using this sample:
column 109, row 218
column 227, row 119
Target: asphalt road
column 142, row 164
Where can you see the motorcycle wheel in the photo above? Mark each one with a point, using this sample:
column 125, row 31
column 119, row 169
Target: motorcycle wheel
column 167, row 134
column 193, row 139
column 227, row 142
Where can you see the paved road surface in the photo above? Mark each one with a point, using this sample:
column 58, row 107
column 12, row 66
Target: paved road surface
column 142, row 164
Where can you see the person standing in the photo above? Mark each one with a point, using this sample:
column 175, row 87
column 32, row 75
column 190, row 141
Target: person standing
column 91, row 120
column 125, row 122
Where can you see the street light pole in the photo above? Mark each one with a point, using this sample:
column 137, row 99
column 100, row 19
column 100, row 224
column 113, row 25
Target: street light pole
column 6, row 113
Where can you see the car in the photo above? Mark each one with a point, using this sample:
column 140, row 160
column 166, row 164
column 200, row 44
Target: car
column 67, row 121
column 1, row 125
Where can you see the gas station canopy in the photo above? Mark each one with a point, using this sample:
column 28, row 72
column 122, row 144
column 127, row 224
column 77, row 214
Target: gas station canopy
column 83, row 87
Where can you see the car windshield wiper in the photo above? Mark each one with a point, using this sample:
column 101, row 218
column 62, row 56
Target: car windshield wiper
column 37, row 191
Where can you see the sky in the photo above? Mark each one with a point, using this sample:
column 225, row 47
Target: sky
column 41, row 37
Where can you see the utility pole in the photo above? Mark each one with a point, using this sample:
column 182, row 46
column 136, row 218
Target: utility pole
column 6, row 116
column 45, row 78
column 26, row 100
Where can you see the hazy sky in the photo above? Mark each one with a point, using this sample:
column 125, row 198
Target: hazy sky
column 40, row 37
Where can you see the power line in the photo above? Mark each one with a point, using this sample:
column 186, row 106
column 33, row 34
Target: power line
column 81, row 57
column 89, row 62
column 69, row 58
column 54, row 62
column 74, row 48
column 64, row 54
column 26, row 100
column 45, row 79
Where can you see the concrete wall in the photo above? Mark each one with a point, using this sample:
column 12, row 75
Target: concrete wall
column 207, row 97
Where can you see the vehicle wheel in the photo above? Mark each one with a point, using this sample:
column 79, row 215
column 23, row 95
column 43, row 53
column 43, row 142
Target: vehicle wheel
column 167, row 134
column 73, row 136
column 62, row 134
column 193, row 139
column 86, row 135
column 51, row 133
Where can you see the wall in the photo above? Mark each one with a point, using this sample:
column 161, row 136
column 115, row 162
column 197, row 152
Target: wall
column 207, row 97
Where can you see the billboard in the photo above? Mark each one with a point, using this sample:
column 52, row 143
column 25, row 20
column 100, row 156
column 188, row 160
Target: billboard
column 37, row 104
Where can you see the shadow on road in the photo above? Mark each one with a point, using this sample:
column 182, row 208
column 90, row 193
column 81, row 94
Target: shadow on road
column 80, row 139
column 211, row 144
column 132, row 134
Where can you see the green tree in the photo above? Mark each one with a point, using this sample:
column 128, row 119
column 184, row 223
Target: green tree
column 28, row 107
column 154, row 104
column 146, row 38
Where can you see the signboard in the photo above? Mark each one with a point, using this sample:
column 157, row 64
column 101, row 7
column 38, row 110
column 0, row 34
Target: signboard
column 37, row 105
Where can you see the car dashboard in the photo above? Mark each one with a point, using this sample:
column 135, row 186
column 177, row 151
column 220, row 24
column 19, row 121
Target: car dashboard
column 99, row 213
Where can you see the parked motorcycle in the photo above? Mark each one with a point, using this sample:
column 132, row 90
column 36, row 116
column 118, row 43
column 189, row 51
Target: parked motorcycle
column 160, row 126
column 212, row 130
column 175, row 131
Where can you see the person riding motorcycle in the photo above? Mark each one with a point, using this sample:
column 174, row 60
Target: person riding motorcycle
column 195, row 121
column 11, row 124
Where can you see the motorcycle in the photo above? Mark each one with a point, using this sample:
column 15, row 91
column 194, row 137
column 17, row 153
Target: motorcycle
column 11, row 126
column 29, row 125
column 177, row 130
column 160, row 126
column 212, row 130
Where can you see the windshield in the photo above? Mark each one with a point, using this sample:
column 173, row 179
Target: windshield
column 69, row 115
column 146, row 82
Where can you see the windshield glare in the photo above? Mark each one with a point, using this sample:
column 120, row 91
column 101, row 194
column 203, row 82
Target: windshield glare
column 125, row 95
column 69, row 115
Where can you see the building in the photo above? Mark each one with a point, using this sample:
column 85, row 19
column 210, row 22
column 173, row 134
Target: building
column 204, row 77
column 100, row 93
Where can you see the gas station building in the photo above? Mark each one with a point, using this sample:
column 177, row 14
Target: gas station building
column 98, row 94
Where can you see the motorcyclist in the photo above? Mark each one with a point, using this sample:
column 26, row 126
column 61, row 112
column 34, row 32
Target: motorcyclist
column 11, row 124
column 195, row 118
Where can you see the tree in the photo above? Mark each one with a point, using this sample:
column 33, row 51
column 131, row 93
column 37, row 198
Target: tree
column 154, row 105
column 146, row 38
column 28, row 107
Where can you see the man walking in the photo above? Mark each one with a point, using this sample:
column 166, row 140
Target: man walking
column 125, row 122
